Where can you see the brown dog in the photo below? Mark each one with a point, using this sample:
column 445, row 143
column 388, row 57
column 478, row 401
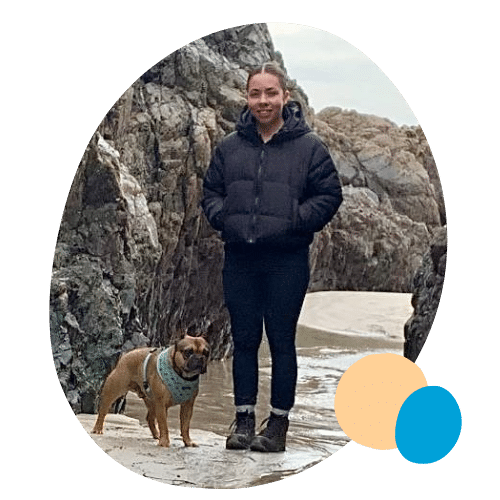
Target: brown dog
column 161, row 378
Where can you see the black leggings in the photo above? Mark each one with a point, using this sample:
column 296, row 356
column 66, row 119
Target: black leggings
column 265, row 287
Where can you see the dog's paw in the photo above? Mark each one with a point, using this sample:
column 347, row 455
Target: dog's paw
column 190, row 444
column 165, row 443
column 96, row 431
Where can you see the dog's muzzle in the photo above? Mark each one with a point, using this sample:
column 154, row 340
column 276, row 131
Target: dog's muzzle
column 196, row 363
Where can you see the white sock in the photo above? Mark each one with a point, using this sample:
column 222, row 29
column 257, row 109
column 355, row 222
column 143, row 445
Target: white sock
column 245, row 408
column 280, row 413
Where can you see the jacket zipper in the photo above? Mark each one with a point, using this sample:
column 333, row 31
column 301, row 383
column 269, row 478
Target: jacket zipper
column 257, row 192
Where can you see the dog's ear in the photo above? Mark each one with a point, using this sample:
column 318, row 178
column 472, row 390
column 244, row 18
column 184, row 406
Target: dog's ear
column 181, row 333
column 197, row 334
column 178, row 336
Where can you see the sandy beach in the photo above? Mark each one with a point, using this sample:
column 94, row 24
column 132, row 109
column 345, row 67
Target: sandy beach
column 335, row 330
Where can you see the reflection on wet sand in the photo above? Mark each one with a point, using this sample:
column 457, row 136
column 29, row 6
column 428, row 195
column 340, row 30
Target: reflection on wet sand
column 323, row 356
column 336, row 330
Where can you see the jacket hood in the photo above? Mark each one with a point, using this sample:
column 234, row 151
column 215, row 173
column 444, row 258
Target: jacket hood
column 294, row 124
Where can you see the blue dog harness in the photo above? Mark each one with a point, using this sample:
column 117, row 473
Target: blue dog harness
column 182, row 390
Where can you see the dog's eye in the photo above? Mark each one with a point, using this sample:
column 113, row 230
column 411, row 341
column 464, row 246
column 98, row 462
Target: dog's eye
column 205, row 352
column 187, row 353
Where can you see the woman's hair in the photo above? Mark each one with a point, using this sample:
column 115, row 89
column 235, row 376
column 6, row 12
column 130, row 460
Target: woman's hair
column 273, row 68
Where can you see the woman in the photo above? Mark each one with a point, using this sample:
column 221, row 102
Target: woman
column 270, row 185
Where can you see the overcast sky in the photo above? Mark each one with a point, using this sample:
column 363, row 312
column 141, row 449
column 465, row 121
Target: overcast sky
column 332, row 72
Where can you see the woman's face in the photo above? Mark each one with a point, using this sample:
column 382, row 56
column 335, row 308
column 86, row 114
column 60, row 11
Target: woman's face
column 266, row 99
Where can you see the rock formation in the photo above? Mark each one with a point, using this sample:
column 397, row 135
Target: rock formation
column 136, row 262
column 393, row 202
column 428, row 285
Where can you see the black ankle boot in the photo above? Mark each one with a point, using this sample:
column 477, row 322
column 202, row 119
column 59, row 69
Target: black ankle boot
column 273, row 437
column 243, row 431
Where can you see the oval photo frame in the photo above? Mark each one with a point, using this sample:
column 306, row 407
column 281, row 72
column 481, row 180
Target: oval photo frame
column 136, row 263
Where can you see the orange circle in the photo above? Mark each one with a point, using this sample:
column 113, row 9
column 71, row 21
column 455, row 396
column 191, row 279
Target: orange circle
column 370, row 395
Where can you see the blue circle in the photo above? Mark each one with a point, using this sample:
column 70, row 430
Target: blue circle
column 428, row 425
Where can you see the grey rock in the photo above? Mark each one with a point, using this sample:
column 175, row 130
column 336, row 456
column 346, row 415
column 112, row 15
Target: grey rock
column 136, row 262
column 390, row 160
column 427, row 286
column 367, row 247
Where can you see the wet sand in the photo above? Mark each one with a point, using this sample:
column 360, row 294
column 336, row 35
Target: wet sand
column 335, row 330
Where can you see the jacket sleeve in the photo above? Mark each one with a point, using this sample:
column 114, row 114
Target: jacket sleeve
column 214, row 191
column 323, row 193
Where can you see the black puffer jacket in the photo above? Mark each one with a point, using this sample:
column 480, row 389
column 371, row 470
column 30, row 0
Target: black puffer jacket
column 276, row 193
